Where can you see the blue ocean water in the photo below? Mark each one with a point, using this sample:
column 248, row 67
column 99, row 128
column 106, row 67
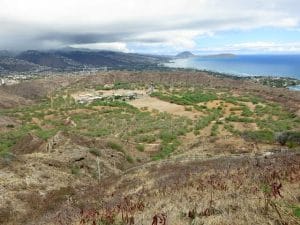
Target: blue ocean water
column 245, row 65
column 295, row 88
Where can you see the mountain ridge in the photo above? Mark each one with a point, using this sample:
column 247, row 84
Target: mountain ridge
column 72, row 59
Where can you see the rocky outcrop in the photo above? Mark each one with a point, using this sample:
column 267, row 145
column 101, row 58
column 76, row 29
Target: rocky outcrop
column 28, row 144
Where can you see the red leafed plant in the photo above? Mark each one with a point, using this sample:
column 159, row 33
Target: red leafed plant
column 159, row 219
column 276, row 189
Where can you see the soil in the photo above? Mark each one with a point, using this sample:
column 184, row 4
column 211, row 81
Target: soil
column 155, row 104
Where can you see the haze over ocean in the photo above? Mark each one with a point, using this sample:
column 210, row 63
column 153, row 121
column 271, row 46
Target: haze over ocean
column 245, row 65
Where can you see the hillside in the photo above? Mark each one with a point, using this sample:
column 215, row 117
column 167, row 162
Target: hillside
column 125, row 147
column 185, row 54
column 11, row 64
column 74, row 60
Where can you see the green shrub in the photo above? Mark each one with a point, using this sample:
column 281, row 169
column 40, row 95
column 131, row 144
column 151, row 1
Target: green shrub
column 129, row 159
column 233, row 118
column 167, row 136
column 196, row 132
column 114, row 145
column 165, row 150
column 140, row 147
column 123, row 85
column 200, row 108
column 289, row 138
column 236, row 109
column 45, row 134
column 96, row 132
column 171, row 98
column 260, row 136
column 296, row 212
column 6, row 156
column 276, row 126
column 246, row 112
column 230, row 99
column 146, row 138
column 199, row 96
column 206, row 120
column 214, row 130
column 95, row 151
column 186, row 98
column 75, row 170
column 230, row 128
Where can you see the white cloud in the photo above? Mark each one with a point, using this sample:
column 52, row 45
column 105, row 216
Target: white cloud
column 257, row 47
column 114, row 46
column 172, row 23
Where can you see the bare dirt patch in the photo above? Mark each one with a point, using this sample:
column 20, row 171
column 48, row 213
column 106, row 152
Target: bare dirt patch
column 245, row 126
column 213, row 104
column 162, row 106
column 8, row 123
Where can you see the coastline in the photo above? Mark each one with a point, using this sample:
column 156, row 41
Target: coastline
column 290, row 83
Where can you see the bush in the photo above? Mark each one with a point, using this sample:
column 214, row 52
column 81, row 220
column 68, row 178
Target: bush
column 95, row 151
column 6, row 156
column 199, row 96
column 246, row 112
column 129, row 159
column 296, row 212
column 232, row 118
column 186, row 98
column 140, row 147
column 171, row 98
column 115, row 146
column 279, row 125
column 196, row 132
column 167, row 136
column 261, row 136
column 206, row 120
column 291, row 138
column 123, row 85
column 45, row 134
column 165, row 150
column 97, row 132
column 145, row 138
column 214, row 130
column 200, row 108
column 75, row 169
column 231, row 129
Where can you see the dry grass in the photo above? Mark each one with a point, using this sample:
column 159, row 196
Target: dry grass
column 219, row 191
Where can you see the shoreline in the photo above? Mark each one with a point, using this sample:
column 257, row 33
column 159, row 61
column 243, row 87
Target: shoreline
column 287, row 82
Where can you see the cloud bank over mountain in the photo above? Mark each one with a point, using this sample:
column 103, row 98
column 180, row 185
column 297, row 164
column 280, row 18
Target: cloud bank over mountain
column 132, row 25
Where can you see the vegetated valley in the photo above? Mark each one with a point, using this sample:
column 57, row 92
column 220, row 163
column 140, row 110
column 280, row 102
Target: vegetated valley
column 149, row 148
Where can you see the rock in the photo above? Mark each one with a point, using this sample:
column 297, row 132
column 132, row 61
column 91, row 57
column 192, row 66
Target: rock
column 28, row 144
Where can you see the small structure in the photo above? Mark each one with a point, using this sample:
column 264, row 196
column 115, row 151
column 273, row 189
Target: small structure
column 111, row 96
column 150, row 89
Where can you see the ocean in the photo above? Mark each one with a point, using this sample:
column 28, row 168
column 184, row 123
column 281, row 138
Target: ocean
column 245, row 65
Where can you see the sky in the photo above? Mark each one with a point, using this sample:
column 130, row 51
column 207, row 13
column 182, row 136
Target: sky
column 153, row 26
